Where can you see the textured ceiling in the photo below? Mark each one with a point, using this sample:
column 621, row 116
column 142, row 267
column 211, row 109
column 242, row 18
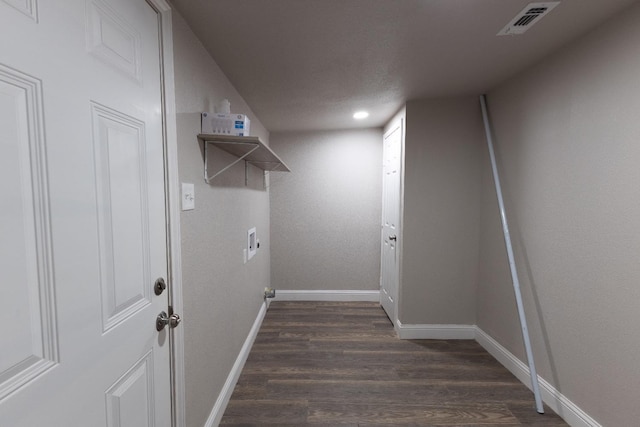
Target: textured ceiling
column 309, row 64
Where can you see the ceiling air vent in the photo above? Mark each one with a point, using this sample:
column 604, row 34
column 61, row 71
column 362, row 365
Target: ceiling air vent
column 528, row 17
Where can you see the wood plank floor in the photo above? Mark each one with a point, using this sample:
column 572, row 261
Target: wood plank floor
column 341, row 364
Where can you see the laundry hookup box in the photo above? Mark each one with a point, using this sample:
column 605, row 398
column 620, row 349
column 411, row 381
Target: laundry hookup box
column 226, row 124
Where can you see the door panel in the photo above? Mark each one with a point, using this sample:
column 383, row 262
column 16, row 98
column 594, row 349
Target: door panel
column 389, row 275
column 27, row 7
column 111, row 38
column 28, row 344
column 130, row 400
column 83, row 212
column 123, row 215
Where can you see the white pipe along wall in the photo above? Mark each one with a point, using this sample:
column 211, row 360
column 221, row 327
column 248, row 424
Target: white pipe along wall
column 512, row 262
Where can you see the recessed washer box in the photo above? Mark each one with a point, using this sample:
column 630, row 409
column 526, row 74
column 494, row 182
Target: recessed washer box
column 252, row 243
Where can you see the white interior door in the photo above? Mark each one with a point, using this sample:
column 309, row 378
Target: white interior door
column 391, row 181
column 83, row 215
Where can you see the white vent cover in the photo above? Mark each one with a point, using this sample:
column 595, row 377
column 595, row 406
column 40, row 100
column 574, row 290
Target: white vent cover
column 528, row 17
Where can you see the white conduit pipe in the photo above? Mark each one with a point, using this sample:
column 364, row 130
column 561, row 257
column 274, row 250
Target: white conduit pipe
column 512, row 262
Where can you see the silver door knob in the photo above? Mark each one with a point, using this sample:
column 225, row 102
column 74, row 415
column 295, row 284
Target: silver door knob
column 174, row 320
column 393, row 237
column 163, row 320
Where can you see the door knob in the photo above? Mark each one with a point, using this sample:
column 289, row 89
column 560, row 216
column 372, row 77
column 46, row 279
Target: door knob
column 163, row 320
column 174, row 320
column 393, row 237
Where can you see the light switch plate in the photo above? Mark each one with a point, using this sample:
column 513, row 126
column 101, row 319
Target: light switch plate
column 188, row 196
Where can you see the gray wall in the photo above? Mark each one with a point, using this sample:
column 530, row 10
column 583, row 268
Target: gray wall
column 222, row 295
column 568, row 143
column 326, row 213
column 441, row 204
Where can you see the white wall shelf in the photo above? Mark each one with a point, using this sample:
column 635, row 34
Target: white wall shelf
column 248, row 148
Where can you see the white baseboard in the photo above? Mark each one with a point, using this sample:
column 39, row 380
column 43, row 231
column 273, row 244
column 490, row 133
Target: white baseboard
column 227, row 390
column 564, row 407
column 344, row 296
column 436, row 332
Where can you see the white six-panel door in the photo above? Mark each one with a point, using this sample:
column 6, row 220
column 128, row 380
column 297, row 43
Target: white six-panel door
column 391, row 180
column 83, row 215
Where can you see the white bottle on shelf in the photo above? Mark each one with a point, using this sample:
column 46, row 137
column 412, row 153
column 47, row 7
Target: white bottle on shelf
column 224, row 107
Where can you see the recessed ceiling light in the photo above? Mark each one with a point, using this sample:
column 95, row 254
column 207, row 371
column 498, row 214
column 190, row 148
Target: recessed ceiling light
column 360, row 115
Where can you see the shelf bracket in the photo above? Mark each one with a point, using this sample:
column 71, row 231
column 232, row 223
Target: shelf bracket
column 208, row 178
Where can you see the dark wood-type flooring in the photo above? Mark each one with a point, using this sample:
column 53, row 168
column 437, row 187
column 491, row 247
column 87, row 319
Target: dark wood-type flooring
column 341, row 364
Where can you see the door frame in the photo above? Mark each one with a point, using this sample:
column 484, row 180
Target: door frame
column 172, row 209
